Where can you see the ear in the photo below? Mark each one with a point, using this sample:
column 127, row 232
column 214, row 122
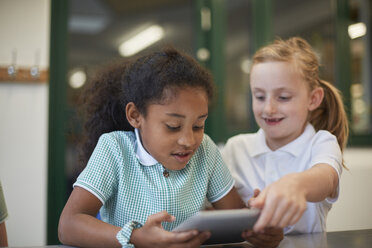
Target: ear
column 316, row 98
column 134, row 117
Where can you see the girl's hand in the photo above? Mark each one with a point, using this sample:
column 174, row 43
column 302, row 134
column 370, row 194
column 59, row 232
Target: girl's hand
column 271, row 237
column 152, row 234
column 256, row 192
column 283, row 203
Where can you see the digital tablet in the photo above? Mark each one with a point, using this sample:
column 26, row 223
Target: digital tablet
column 226, row 226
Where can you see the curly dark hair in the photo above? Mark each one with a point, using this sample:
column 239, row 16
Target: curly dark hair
column 150, row 79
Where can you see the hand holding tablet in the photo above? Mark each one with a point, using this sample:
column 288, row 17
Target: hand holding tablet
column 226, row 226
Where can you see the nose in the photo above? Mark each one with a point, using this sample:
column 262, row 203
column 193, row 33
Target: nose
column 187, row 138
column 270, row 107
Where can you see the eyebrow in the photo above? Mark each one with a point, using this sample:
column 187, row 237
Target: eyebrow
column 276, row 89
column 183, row 116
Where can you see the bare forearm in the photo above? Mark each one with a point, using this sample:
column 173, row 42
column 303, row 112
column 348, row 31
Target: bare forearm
column 86, row 231
column 317, row 183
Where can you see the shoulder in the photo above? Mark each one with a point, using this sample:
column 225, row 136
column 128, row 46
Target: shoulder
column 112, row 156
column 325, row 142
column 115, row 146
column 119, row 136
column 122, row 139
column 324, row 136
column 310, row 139
column 325, row 149
column 315, row 143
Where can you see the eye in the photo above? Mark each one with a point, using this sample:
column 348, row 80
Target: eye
column 197, row 128
column 173, row 128
column 259, row 97
column 284, row 98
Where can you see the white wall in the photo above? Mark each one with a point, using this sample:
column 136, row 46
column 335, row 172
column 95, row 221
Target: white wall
column 353, row 208
column 24, row 25
column 23, row 161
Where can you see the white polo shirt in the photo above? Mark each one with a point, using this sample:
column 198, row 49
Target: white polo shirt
column 254, row 165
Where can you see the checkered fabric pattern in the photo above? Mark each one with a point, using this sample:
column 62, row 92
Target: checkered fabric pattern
column 130, row 191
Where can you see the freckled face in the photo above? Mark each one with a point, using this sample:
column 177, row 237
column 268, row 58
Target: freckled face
column 281, row 101
column 172, row 132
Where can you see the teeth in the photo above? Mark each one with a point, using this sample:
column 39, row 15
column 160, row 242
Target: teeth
column 272, row 119
column 182, row 154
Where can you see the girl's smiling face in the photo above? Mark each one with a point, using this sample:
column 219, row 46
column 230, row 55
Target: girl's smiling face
column 281, row 101
column 172, row 132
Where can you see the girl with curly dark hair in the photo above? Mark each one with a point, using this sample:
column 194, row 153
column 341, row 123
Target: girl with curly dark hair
column 149, row 164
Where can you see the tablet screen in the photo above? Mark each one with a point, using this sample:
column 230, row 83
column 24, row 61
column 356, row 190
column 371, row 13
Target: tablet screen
column 226, row 226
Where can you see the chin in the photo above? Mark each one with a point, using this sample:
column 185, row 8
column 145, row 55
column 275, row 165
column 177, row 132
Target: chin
column 180, row 167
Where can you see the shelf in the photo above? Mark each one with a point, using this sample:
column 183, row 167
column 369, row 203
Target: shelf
column 23, row 75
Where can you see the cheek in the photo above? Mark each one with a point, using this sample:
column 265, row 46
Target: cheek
column 256, row 107
column 301, row 113
column 199, row 137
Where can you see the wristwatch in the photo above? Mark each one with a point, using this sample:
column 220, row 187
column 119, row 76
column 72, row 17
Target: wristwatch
column 123, row 236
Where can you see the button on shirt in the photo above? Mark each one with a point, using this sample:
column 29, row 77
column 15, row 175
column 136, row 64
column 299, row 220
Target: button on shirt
column 254, row 165
column 131, row 186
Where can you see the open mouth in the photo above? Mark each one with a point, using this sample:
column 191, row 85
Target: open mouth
column 272, row 121
column 182, row 156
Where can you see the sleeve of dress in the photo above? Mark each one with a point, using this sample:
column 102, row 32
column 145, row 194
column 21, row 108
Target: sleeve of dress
column 100, row 175
column 220, row 179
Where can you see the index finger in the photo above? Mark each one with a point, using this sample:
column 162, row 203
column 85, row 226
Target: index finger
column 259, row 200
column 256, row 192
column 158, row 218
column 265, row 217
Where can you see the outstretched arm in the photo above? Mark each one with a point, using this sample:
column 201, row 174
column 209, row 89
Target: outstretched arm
column 270, row 237
column 284, row 201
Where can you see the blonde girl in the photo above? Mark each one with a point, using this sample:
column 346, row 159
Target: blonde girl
column 295, row 159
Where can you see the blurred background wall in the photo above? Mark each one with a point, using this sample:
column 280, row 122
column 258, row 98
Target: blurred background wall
column 55, row 47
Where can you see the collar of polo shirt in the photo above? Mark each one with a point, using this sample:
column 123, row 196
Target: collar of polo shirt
column 143, row 156
column 259, row 146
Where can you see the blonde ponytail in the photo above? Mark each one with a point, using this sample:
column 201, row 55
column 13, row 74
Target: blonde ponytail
column 331, row 114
